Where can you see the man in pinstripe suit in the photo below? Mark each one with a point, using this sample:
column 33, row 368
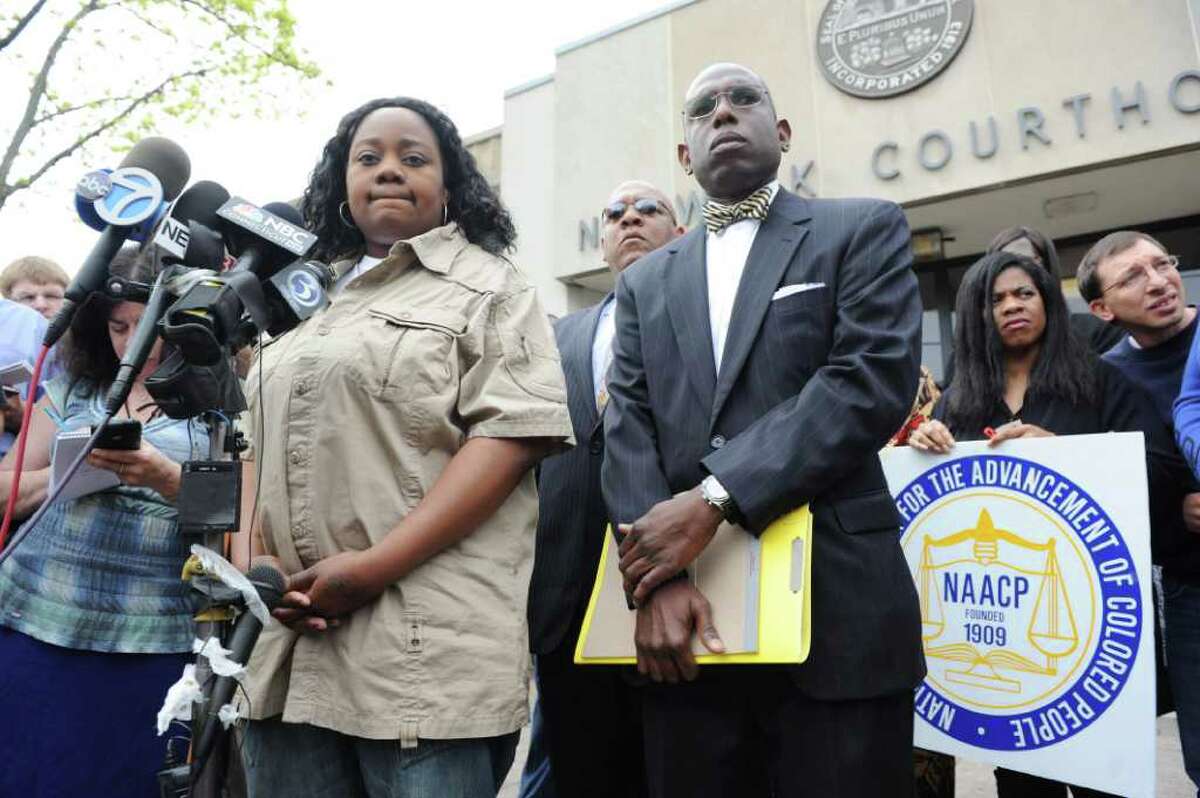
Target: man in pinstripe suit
column 759, row 364
column 591, row 716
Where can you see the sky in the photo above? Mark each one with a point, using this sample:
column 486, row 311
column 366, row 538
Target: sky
column 461, row 55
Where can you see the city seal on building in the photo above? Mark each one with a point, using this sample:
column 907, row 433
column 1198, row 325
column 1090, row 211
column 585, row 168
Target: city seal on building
column 881, row 48
column 1031, row 608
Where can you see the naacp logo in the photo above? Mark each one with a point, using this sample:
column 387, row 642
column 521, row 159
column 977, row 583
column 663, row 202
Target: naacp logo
column 1030, row 604
column 881, row 48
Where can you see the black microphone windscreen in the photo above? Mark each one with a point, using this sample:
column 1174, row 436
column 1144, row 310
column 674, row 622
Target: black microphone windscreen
column 269, row 582
column 286, row 212
column 200, row 203
column 164, row 159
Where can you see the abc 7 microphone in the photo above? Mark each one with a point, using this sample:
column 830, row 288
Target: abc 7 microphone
column 123, row 203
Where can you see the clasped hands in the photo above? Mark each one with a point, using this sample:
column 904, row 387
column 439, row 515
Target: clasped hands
column 317, row 598
column 653, row 549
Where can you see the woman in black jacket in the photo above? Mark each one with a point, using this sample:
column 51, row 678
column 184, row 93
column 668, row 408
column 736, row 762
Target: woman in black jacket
column 1021, row 373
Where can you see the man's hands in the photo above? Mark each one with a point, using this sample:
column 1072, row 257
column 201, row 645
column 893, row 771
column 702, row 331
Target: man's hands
column 664, row 541
column 319, row 596
column 665, row 625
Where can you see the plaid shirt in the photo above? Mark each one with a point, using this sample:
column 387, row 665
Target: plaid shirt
column 101, row 572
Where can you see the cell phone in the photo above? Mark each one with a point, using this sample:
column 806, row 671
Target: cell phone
column 120, row 433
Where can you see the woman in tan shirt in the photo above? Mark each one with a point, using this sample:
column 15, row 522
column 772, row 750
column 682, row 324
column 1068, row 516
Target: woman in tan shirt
column 396, row 430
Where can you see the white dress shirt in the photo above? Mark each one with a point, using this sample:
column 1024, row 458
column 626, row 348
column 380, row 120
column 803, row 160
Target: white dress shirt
column 724, row 262
column 606, row 330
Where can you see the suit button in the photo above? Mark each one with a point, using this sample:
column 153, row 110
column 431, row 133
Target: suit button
column 717, row 441
column 596, row 446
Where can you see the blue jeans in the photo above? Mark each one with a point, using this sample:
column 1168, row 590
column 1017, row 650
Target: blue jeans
column 1182, row 610
column 299, row 760
column 536, row 779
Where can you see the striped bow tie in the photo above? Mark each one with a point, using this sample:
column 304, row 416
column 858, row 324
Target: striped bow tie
column 717, row 216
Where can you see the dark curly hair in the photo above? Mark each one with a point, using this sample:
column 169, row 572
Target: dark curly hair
column 473, row 204
column 86, row 351
column 1065, row 368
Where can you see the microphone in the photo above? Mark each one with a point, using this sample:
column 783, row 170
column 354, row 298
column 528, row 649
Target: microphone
column 172, row 282
column 295, row 293
column 154, row 169
column 198, row 205
column 270, row 584
column 262, row 238
column 210, row 317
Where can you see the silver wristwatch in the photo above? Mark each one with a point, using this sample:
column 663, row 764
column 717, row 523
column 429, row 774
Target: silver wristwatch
column 713, row 492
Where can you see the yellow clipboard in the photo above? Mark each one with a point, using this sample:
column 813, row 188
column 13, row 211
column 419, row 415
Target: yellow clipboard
column 784, row 608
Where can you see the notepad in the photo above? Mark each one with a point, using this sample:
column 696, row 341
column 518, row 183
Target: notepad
column 88, row 479
column 759, row 589
column 16, row 373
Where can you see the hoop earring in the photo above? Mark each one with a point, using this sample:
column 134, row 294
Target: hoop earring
column 345, row 217
column 445, row 214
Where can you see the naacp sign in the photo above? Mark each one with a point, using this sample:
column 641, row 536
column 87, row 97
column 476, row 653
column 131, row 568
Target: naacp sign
column 1032, row 563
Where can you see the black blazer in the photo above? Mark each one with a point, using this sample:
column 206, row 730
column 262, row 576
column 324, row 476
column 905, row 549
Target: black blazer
column 571, row 518
column 812, row 385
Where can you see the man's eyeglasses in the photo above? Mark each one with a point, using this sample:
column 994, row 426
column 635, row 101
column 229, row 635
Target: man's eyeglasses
column 645, row 206
column 1137, row 276
column 739, row 97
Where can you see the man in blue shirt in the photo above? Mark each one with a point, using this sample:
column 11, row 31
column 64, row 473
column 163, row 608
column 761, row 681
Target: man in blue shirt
column 1129, row 279
column 21, row 331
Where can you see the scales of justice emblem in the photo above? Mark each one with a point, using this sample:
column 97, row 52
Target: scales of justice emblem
column 996, row 611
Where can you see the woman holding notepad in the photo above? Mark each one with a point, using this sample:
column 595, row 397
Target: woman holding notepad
column 94, row 624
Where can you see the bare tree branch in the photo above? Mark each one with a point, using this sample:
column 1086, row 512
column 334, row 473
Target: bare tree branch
column 11, row 36
column 38, row 91
column 8, row 191
column 149, row 23
column 81, row 107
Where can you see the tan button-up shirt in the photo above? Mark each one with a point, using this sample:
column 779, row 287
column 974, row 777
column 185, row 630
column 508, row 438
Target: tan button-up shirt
column 362, row 407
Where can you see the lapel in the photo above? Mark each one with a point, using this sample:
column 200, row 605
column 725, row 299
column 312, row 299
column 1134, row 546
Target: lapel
column 686, row 284
column 577, row 366
column 774, row 245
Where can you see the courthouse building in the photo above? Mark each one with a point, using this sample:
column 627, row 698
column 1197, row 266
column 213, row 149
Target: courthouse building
column 1073, row 117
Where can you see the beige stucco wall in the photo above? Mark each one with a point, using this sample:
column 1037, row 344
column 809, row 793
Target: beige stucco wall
column 527, row 187
column 614, row 112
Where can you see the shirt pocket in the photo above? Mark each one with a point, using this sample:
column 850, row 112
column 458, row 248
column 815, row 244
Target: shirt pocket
column 408, row 350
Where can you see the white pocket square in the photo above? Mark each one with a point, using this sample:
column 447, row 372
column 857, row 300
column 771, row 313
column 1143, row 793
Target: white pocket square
column 797, row 288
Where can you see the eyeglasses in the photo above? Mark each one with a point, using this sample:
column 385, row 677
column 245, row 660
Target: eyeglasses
column 645, row 206
column 1137, row 275
column 739, row 97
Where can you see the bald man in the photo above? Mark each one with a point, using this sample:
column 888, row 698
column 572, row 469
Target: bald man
column 591, row 717
column 759, row 364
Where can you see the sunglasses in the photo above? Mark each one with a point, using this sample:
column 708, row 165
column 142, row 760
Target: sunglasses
column 739, row 97
column 645, row 206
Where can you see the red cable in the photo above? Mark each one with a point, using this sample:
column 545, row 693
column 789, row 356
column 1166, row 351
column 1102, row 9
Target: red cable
column 30, row 401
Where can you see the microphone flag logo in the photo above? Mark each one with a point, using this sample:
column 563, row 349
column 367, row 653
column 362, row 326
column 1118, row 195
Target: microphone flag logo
column 135, row 196
column 304, row 289
column 94, row 185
